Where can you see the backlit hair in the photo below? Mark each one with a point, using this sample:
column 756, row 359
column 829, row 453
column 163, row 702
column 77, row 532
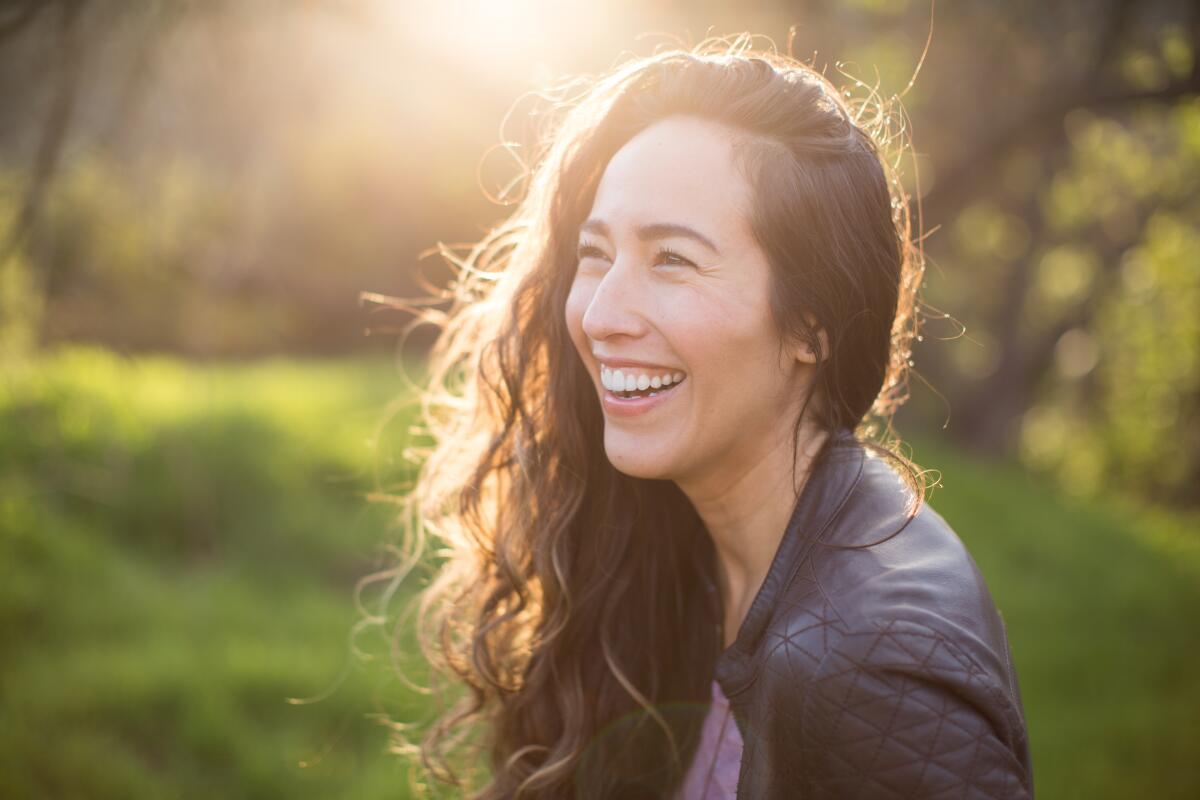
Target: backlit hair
column 567, row 603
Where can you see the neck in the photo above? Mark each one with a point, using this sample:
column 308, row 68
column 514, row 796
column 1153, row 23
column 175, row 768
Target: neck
column 745, row 507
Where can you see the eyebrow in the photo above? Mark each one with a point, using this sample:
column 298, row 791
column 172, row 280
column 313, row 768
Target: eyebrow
column 656, row 230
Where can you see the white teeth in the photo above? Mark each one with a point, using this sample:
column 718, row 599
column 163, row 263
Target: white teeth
column 621, row 381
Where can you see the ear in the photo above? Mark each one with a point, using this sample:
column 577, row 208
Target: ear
column 805, row 353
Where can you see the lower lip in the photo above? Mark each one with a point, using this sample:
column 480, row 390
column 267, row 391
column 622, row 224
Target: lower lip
column 632, row 406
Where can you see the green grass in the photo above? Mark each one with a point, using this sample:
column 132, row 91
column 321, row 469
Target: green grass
column 179, row 545
column 178, row 551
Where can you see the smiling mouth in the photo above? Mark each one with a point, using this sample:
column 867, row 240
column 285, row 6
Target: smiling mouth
column 627, row 385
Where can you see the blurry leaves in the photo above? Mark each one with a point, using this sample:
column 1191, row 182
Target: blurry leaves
column 133, row 256
column 1143, row 70
column 977, row 354
column 1065, row 275
column 1151, row 369
column 1107, row 323
column 1178, row 51
column 21, row 308
column 888, row 7
column 984, row 230
column 1075, row 353
column 1136, row 424
column 1153, row 66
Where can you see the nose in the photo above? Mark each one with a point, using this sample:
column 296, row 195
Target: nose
column 616, row 307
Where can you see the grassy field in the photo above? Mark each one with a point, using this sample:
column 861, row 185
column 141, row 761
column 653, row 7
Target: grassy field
column 179, row 545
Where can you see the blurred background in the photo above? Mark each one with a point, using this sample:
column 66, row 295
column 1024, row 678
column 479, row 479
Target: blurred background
column 198, row 435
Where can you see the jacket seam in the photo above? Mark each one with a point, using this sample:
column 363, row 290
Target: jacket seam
column 812, row 541
column 804, row 555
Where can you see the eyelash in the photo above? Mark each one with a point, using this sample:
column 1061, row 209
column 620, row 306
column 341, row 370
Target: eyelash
column 586, row 250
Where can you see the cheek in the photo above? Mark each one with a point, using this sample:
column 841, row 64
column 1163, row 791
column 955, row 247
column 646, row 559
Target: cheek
column 730, row 349
column 720, row 337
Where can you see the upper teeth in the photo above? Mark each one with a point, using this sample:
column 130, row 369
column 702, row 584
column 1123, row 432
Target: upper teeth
column 622, row 381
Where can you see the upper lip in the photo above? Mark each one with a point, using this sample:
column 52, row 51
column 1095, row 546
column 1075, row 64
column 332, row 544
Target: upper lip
column 630, row 362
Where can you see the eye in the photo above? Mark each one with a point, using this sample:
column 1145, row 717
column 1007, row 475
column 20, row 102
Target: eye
column 666, row 252
column 586, row 250
column 591, row 251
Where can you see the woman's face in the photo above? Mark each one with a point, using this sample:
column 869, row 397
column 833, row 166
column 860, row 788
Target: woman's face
column 652, row 302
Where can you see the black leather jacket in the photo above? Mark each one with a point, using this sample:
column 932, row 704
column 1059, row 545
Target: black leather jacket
column 877, row 672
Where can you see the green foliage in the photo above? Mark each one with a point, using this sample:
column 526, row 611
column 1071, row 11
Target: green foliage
column 141, row 259
column 178, row 551
column 22, row 302
column 1119, row 411
column 21, row 307
column 1152, row 372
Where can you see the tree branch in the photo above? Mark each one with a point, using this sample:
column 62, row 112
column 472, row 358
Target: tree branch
column 58, row 121
column 21, row 18
column 959, row 182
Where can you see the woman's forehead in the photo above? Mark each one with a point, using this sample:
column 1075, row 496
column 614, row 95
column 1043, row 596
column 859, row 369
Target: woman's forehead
column 680, row 169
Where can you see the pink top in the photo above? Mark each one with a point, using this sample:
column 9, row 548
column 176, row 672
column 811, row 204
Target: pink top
column 713, row 773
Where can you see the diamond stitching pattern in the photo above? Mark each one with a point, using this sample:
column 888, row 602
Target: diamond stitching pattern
column 881, row 673
column 897, row 712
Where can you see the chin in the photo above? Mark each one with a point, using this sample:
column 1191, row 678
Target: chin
column 637, row 465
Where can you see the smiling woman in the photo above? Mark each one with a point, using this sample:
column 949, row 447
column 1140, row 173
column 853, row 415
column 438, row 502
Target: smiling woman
column 677, row 564
column 700, row 313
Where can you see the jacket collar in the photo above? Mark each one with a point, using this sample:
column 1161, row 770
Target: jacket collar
column 835, row 473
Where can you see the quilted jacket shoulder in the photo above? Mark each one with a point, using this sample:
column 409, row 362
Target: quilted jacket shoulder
column 873, row 662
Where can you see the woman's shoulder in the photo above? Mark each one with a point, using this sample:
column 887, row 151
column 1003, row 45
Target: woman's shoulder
column 891, row 629
column 887, row 557
column 884, row 563
column 883, row 581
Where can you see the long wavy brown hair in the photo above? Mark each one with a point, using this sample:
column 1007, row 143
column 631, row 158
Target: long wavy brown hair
column 567, row 603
